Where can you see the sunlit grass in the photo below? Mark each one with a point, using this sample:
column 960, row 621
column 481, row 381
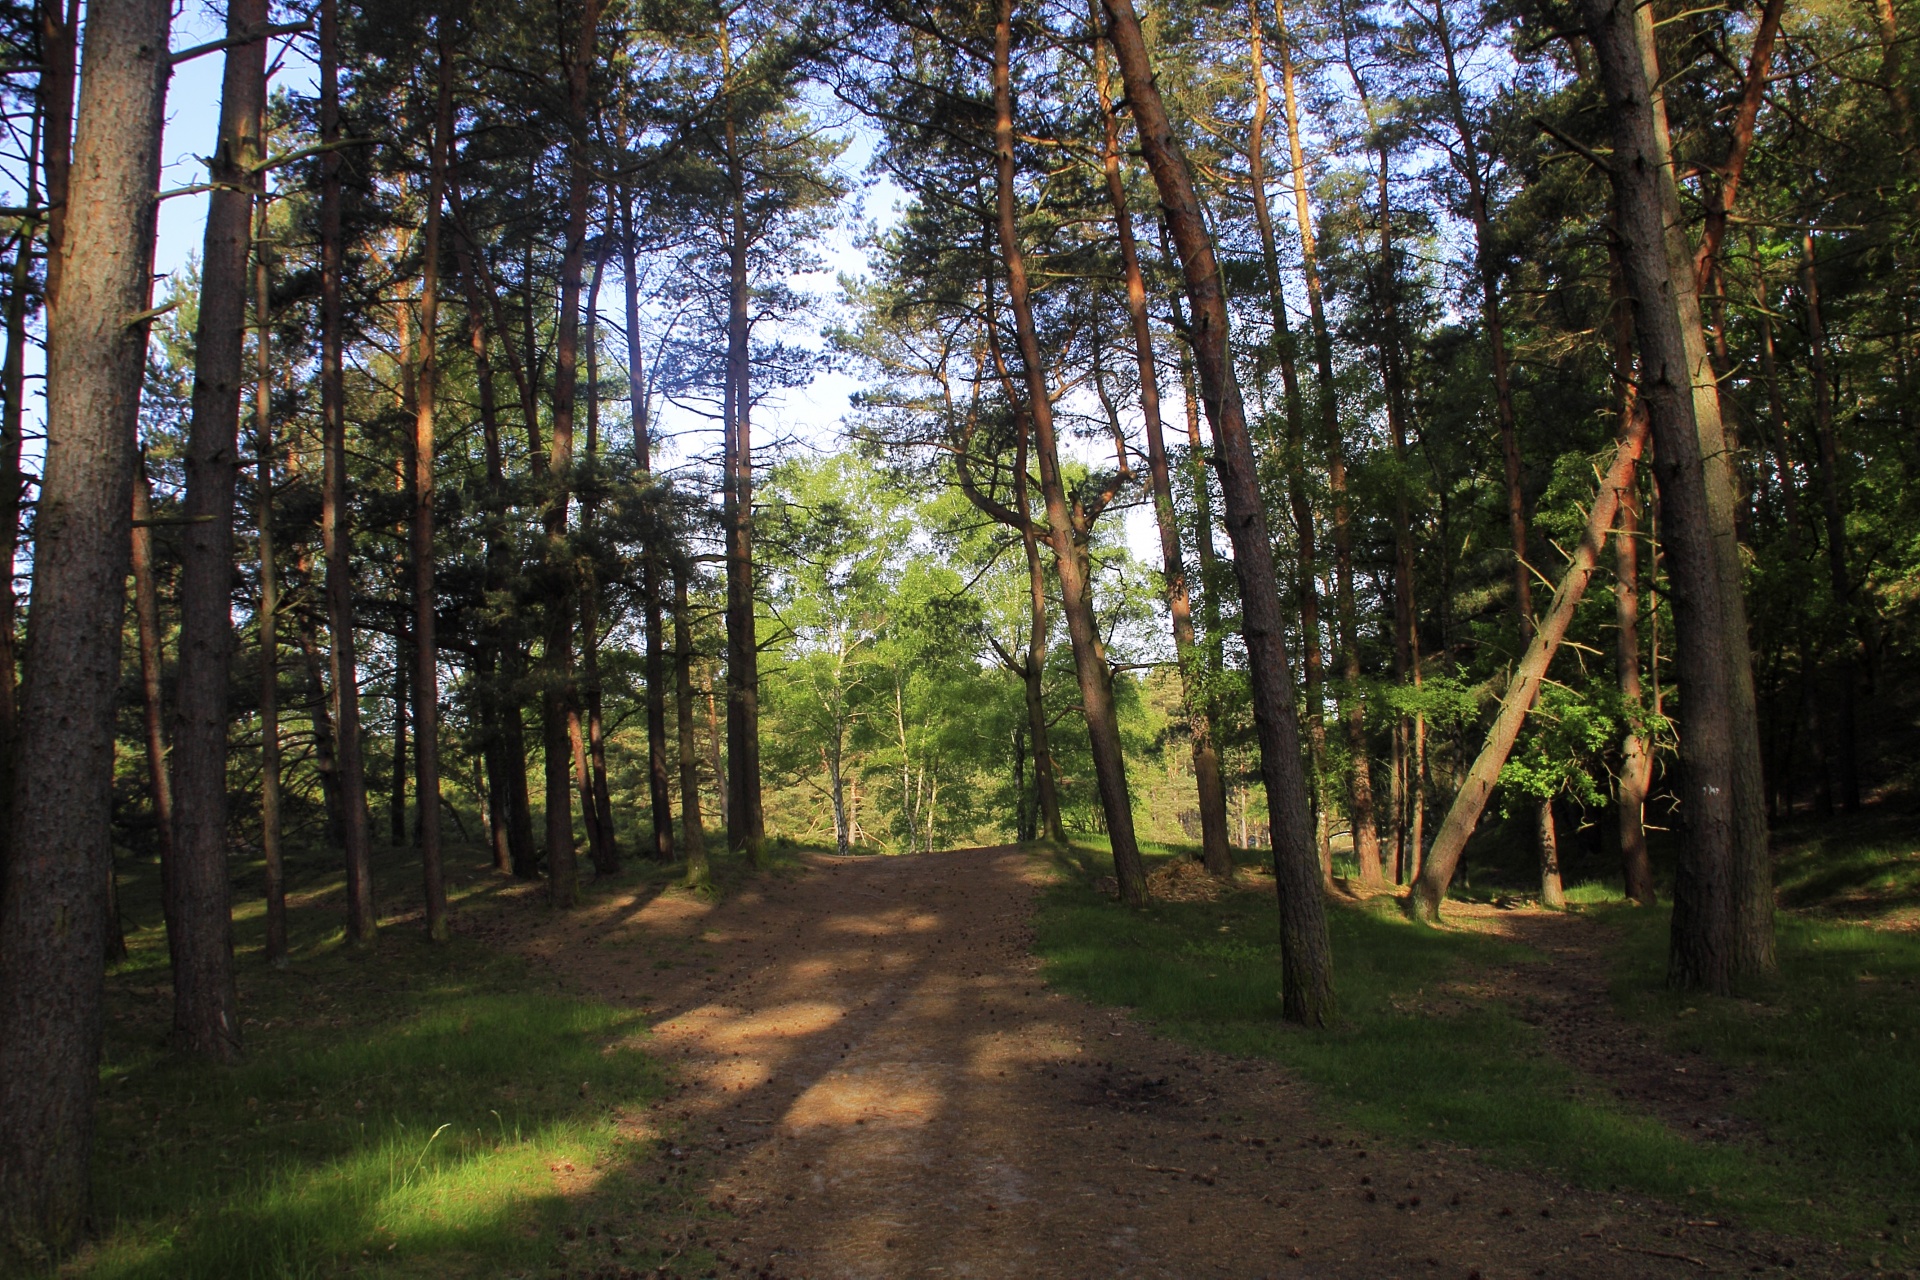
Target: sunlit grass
column 1416, row 1056
column 422, row 1110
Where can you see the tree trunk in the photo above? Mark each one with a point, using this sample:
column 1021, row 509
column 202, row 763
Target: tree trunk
column 561, row 711
column 1471, row 799
column 335, row 530
column 1033, row 671
column 13, row 387
column 426, row 646
column 1705, row 945
column 146, row 611
column 692, row 839
column 657, row 782
column 596, row 801
column 1307, row 962
column 1306, row 586
column 746, row 822
column 206, row 1019
column 1751, row 867
column 1366, row 838
column 324, row 761
column 402, row 696
column 1066, row 534
column 1211, row 794
column 500, row 706
column 1839, row 580
column 269, row 616
column 1636, row 755
column 52, row 913
column 1553, row 893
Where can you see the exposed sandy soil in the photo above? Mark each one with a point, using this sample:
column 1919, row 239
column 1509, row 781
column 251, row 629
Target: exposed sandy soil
column 876, row 1084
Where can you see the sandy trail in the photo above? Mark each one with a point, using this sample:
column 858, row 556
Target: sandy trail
column 878, row 1085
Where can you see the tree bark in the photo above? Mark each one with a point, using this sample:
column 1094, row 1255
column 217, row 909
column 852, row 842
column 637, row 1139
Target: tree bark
column 1471, row 799
column 1751, row 867
column 52, row 912
column 1306, row 584
column 746, row 820
column 502, row 659
column 561, row 712
column 1636, row 755
column 657, row 782
column 206, row 1018
column 1553, row 893
column 426, row 646
column 1066, row 534
column 269, row 616
column 1839, row 580
column 1366, row 837
column 146, row 612
column 596, row 802
column 692, row 839
column 1210, row 792
column 1705, row 950
column 335, row 513
column 1307, row 963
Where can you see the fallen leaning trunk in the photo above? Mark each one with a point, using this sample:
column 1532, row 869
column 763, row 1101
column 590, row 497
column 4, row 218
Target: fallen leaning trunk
column 1471, row 800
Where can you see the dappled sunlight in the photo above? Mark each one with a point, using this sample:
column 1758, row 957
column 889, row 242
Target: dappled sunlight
column 889, row 1095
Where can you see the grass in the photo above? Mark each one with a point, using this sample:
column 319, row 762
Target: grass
column 420, row 1111
column 1417, row 1057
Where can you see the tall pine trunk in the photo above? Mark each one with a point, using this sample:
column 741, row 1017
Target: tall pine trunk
column 426, row 646
column 335, row 514
column 658, row 792
column 269, row 616
column 52, row 882
column 1064, row 532
column 206, row 1019
column 1211, row 794
column 1704, row 939
column 1366, row 837
column 746, row 820
column 561, row 704
column 1306, row 956
column 692, row 839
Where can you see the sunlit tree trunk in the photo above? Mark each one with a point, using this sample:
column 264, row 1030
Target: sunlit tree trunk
column 52, row 881
column 1469, row 802
column 1366, row 838
column 1306, row 957
column 1065, row 534
column 1306, row 583
column 1211, row 793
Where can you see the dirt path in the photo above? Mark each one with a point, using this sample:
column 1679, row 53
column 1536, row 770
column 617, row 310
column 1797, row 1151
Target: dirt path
column 878, row 1085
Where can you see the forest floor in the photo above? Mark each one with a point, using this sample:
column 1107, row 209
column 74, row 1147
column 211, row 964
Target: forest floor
column 874, row 1078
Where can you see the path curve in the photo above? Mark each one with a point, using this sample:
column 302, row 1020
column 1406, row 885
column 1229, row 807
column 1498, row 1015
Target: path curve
column 877, row 1084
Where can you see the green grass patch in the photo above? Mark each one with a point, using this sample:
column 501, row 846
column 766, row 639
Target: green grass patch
column 1832, row 1046
column 1415, row 1058
column 419, row 1111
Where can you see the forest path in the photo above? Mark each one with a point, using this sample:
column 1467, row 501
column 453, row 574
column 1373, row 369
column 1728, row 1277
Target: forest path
column 877, row 1084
